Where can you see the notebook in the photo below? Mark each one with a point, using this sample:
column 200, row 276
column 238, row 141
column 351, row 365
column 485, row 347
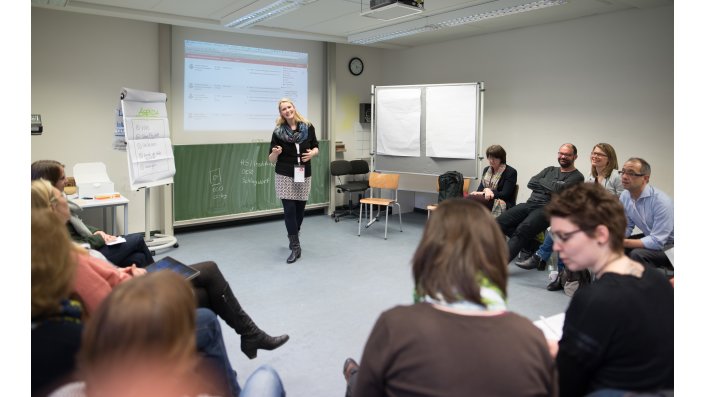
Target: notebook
column 173, row 265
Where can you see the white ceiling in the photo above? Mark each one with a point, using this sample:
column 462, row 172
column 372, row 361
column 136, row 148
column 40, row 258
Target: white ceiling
column 334, row 20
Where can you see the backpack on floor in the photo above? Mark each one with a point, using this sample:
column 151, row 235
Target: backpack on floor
column 450, row 185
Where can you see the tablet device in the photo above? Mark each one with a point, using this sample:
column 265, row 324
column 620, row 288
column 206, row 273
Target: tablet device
column 173, row 265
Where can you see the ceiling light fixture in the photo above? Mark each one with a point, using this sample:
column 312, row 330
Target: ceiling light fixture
column 278, row 8
column 494, row 9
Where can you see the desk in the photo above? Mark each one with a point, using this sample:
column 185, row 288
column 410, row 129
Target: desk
column 105, row 204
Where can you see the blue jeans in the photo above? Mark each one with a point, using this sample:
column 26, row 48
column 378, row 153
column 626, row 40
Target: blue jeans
column 546, row 249
column 264, row 382
column 209, row 342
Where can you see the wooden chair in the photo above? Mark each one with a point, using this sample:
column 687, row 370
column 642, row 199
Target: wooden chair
column 381, row 182
column 466, row 189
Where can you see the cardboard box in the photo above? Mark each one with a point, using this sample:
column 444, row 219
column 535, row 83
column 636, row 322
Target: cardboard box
column 92, row 179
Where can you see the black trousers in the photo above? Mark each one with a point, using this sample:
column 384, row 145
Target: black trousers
column 521, row 224
column 293, row 215
column 133, row 250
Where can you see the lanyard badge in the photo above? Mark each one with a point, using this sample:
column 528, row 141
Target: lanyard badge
column 299, row 170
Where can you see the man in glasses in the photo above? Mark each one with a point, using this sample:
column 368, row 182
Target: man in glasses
column 649, row 209
column 524, row 221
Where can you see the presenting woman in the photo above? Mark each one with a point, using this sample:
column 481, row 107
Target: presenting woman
column 293, row 146
column 498, row 182
column 618, row 331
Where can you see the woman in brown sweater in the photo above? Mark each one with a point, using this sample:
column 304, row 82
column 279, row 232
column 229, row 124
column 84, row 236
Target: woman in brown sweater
column 459, row 339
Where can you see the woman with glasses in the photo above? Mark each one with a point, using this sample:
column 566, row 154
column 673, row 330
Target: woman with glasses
column 496, row 189
column 604, row 172
column 618, row 331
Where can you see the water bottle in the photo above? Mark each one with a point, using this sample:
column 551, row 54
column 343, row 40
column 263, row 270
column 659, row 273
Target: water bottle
column 552, row 267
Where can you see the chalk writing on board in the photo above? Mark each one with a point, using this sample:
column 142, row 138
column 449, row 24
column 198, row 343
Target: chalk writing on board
column 248, row 172
column 216, row 185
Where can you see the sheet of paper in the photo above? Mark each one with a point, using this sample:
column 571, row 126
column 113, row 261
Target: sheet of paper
column 551, row 326
column 118, row 240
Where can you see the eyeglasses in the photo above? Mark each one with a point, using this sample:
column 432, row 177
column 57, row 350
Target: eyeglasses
column 564, row 237
column 565, row 154
column 630, row 174
column 596, row 154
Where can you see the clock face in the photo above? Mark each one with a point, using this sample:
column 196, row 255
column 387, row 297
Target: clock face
column 355, row 66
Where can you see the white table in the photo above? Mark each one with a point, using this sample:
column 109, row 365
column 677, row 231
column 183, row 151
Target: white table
column 110, row 203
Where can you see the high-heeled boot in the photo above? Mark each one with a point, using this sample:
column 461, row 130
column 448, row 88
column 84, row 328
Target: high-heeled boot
column 295, row 248
column 251, row 337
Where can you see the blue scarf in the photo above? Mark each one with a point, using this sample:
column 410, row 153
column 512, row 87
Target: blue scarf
column 71, row 311
column 285, row 133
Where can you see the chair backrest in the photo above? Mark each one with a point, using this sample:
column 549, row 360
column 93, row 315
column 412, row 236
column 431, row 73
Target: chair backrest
column 379, row 180
column 359, row 167
column 340, row 167
column 516, row 193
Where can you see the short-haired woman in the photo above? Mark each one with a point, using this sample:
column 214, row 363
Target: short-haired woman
column 618, row 331
column 498, row 184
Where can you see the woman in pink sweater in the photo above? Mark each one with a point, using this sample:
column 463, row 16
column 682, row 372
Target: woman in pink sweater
column 95, row 279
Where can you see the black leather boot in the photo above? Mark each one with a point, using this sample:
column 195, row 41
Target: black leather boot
column 251, row 337
column 295, row 248
column 533, row 262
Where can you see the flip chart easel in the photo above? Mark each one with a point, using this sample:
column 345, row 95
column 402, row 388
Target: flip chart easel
column 150, row 158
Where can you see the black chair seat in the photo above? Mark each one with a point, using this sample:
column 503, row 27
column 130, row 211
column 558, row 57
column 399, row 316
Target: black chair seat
column 354, row 186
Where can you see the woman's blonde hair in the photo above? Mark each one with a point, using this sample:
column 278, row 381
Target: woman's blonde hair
column 146, row 318
column 53, row 262
column 42, row 194
column 297, row 116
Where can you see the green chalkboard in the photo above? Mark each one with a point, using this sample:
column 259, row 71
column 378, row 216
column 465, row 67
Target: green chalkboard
column 221, row 180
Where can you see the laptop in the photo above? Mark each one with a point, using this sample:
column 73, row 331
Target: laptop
column 173, row 265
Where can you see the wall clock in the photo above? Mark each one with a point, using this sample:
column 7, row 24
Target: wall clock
column 356, row 66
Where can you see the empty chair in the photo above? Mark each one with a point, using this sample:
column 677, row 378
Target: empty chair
column 381, row 181
column 342, row 168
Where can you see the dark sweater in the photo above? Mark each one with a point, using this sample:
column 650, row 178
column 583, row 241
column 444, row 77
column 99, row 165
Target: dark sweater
column 618, row 333
column 505, row 186
column 551, row 180
column 55, row 343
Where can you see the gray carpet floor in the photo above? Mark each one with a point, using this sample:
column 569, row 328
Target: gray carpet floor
column 329, row 299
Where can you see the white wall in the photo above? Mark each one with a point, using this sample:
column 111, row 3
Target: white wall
column 605, row 78
column 79, row 65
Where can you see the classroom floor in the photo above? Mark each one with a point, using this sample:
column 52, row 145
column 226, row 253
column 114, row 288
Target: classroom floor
column 329, row 299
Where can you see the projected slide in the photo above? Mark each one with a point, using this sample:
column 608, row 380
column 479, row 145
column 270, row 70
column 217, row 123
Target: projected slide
column 229, row 87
